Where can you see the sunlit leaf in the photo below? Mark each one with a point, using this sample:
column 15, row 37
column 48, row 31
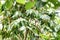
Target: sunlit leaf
column 20, row 1
column 8, row 4
column 29, row 5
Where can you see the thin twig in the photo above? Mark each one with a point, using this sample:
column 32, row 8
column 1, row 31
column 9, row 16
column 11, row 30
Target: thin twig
column 25, row 35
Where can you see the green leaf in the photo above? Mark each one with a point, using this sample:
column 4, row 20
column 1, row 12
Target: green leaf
column 20, row 1
column 0, row 7
column 8, row 4
column 55, row 2
column 29, row 5
column 0, row 37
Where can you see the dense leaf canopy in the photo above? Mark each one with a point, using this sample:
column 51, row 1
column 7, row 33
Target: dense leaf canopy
column 29, row 20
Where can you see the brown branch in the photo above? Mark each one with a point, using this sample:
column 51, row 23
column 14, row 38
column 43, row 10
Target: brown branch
column 25, row 35
column 19, row 37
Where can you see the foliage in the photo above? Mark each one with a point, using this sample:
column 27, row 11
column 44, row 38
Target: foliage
column 29, row 20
